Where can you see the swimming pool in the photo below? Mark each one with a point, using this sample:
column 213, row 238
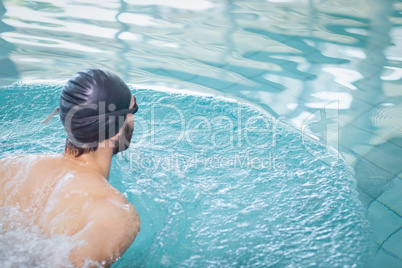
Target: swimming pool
column 329, row 68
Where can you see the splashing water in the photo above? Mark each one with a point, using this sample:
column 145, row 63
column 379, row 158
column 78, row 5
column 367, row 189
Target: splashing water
column 22, row 244
column 217, row 183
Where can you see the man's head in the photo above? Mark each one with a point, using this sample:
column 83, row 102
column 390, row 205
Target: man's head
column 123, row 138
column 96, row 105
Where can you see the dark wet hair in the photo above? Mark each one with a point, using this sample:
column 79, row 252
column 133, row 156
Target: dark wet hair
column 89, row 109
column 76, row 151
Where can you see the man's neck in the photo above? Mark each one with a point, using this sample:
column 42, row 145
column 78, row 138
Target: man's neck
column 100, row 160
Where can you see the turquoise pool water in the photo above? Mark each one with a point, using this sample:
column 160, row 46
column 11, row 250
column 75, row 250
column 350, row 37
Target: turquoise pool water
column 266, row 197
column 330, row 69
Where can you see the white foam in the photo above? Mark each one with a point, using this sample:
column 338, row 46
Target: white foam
column 54, row 195
column 22, row 244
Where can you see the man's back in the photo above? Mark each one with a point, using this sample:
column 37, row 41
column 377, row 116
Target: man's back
column 66, row 196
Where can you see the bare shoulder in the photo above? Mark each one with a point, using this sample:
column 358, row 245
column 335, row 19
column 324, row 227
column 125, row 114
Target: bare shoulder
column 12, row 160
column 112, row 222
column 118, row 216
column 115, row 204
column 12, row 163
column 18, row 160
column 122, row 215
column 103, row 203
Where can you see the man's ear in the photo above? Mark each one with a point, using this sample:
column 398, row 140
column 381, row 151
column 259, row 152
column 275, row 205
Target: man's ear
column 115, row 138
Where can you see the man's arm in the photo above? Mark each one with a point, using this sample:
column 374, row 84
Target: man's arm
column 111, row 227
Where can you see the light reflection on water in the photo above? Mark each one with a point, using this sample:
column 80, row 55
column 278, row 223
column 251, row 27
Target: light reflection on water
column 328, row 67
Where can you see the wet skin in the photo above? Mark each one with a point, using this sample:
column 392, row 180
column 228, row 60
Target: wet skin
column 70, row 195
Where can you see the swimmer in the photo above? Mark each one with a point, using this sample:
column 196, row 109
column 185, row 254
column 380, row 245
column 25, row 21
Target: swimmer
column 69, row 193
